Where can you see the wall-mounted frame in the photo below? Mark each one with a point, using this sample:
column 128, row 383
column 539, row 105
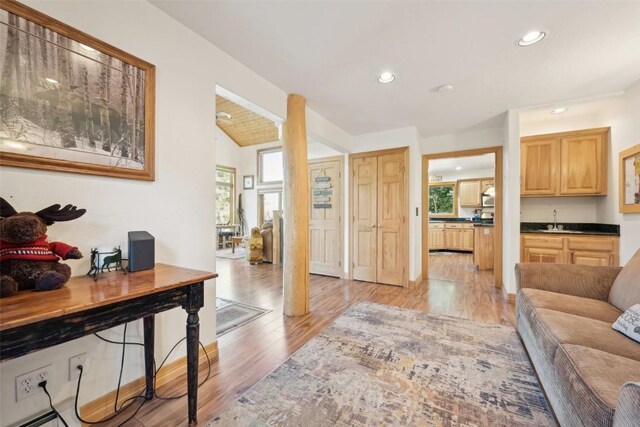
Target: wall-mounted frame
column 630, row 180
column 248, row 182
column 70, row 102
column 439, row 193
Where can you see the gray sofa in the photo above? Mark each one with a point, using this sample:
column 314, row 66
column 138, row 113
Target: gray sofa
column 589, row 372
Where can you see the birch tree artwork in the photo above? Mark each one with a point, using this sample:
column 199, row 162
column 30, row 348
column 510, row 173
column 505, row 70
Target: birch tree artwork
column 63, row 100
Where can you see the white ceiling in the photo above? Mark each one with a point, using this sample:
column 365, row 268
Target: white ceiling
column 332, row 51
column 472, row 163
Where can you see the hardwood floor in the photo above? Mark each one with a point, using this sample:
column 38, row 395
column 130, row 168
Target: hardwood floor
column 458, row 267
column 252, row 351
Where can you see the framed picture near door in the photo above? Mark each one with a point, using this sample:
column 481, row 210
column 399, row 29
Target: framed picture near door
column 630, row 180
column 70, row 102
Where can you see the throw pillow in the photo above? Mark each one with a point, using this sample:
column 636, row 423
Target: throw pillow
column 629, row 323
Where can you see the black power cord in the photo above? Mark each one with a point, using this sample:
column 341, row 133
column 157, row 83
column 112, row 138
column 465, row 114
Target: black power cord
column 43, row 384
column 130, row 401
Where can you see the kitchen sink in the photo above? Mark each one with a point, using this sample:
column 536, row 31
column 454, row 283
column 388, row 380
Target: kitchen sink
column 559, row 231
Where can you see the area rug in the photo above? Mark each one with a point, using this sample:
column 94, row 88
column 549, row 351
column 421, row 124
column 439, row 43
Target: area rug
column 231, row 315
column 226, row 253
column 385, row 366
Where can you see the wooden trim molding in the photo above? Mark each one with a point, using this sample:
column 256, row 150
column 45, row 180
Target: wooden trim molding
column 417, row 281
column 103, row 406
column 497, row 151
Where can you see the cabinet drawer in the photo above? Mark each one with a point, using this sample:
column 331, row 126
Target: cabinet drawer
column 452, row 225
column 467, row 226
column 436, row 225
column 591, row 243
column 541, row 241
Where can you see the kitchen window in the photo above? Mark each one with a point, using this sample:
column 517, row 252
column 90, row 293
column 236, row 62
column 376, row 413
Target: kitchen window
column 225, row 194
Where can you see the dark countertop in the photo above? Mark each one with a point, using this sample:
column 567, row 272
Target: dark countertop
column 484, row 224
column 573, row 228
column 463, row 220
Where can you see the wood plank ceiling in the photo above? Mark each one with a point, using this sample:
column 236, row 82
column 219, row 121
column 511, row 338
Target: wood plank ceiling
column 244, row 127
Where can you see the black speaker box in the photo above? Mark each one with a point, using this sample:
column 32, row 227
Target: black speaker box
column 142, row 252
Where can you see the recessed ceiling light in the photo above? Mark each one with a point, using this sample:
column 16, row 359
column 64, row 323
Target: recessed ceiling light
column 445, row 88
column 386, row 77
column 223, row 115
column 531, row 37
column 560, row 110
column 85, row 47
column 50, row 80
column 458, row 168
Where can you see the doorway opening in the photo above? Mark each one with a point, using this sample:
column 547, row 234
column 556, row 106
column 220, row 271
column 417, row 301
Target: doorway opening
column 462, row 216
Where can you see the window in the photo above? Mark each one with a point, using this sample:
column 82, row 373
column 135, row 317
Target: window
column 268, row 201
column 225, row 194
column 270, row 166
column 443, row 199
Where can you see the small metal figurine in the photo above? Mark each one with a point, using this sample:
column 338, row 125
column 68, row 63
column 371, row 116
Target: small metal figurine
column 113, row 257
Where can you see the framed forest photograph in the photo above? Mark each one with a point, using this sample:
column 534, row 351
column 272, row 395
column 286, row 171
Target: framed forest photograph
column 70, row 102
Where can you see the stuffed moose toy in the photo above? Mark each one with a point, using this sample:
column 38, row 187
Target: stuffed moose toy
column 27, row 260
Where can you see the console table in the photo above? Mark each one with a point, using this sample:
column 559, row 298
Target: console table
column 32, row 321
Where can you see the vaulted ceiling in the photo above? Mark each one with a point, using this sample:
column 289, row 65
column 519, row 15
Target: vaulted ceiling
column 333, row 51
column 242, row 125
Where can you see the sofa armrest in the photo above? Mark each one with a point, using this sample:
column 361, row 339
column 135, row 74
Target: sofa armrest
column 578, row 280
column 628, row 410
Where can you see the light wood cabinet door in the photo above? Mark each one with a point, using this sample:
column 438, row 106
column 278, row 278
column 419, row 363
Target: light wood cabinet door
column 547, row 255
column 467, row 239
column 364, row 226
column 583, row 165
column 486, row 184
column 436, row 238
column 539, row 162
column 591, row 258
column 391, row 217
column 325, row 249
column 469, row 193
column 453, row 238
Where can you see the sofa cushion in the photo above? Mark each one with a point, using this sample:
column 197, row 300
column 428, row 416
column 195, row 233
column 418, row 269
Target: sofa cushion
column 625, row 291
column 586, row 307
column 554, row 328
column 592, row 380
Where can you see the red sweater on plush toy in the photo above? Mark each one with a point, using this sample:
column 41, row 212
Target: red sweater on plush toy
column 27, row 259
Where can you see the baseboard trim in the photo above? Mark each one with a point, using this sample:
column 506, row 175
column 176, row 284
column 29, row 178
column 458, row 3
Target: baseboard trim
column 103, row 406
column 417, row 281
column 509, row 297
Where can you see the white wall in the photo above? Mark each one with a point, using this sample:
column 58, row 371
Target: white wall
column 468, row 174
column 462, row 141
column 511, row 200
column 177, row 208
column 570, row 209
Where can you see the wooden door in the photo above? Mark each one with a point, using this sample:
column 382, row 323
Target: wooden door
column 364, row 236
column 469, row 193
column 546, row 255
column 583, row 164
column 539, row 159
column 591, row 258
column 391, row 219
column 325, row 207
column 467, row 239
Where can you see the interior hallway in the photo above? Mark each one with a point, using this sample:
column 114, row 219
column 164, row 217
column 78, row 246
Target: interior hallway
column 252, row 351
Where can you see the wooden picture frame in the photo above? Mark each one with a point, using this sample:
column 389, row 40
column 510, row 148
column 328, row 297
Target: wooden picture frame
column 454, row 185
column 629, row 194
column 248, row 182
column 82, row 105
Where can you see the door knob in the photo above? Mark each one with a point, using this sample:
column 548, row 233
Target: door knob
column 373, row 226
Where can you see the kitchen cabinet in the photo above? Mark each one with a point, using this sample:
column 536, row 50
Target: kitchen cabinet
column 467, row 238
column 570, row 249
column 483, row 248
column 470, row 193
column 436, row 236
column 486, row 184
column 564, row 164
column 453, row 236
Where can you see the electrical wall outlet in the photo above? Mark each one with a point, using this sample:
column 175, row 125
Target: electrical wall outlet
column 74, row 361
column 27, row 384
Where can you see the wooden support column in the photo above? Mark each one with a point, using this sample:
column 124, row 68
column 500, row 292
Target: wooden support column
column 296, row 209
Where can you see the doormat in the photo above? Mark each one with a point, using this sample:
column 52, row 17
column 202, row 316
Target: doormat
column 378, row 365
column 231, row 315
column 226, row 253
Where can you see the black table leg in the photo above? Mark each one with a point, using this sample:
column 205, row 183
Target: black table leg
column 149, row 341
column 195, row 300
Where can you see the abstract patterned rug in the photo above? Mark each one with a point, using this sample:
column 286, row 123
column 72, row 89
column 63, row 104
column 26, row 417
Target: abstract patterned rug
column 385, row 366
column 232, row 314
